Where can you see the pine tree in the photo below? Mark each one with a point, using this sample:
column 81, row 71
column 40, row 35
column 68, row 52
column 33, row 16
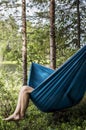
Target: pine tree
column 52, row 35
column 24, row 45
column 78, row 24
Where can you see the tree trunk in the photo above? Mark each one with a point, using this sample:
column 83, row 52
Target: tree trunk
column 52, row 35
column 24, row 42
column 78, row 23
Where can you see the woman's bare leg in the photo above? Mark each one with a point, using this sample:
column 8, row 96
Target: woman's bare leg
column 23, row 101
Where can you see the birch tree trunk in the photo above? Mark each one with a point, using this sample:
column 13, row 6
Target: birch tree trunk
column 52, row 35
column 24, row 42
column 78, row 23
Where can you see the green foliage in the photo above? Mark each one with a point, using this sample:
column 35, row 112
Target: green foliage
column 66, row 20
column 10, row 40
column 63, row 54
column 38, row 44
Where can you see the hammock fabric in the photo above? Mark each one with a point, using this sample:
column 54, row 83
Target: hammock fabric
column 55, row 90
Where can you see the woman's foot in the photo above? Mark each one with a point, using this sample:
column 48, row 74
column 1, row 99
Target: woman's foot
column 13, row 117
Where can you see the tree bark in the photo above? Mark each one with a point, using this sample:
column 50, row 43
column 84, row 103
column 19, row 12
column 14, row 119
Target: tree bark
column 78, row 23
column 52, row 35
column 24, row 42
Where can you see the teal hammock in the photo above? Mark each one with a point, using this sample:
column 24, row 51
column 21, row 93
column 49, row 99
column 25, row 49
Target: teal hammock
column 55, row 90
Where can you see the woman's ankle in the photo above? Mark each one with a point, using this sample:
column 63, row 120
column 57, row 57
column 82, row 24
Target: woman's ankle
column 22, row 115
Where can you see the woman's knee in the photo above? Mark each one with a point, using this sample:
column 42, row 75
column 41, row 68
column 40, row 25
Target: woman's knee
column 26, row 89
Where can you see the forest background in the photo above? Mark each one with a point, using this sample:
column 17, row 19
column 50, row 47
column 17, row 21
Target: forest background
column 70, row 35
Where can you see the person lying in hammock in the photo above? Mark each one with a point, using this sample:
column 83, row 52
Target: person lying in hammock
column 23, row 101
